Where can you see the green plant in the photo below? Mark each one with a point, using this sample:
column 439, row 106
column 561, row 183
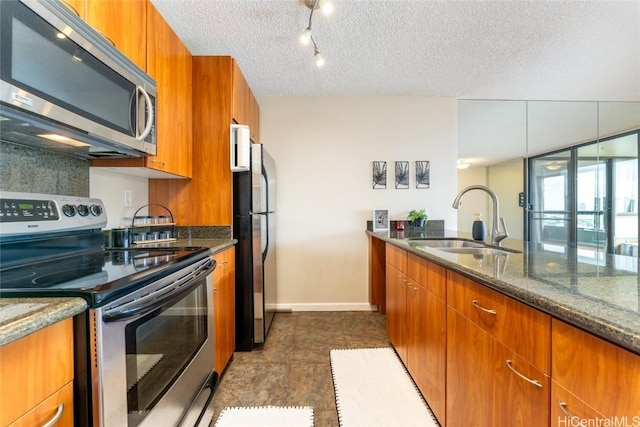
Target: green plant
column 415, row 216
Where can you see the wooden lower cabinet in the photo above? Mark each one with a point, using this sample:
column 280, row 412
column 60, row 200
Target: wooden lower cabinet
column 481, row 358
column 568, row 410
column 59, row 405
column 416, row 324
column 481, row 388
column 36, row 375
column 426, row 348
column 603, row 376
column 224, row 306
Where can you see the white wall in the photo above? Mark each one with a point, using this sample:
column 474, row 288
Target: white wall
column 323, row 148
column 109, row 186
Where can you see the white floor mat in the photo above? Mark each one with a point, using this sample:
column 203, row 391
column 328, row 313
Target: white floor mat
column 374, row 389
column 267, row 416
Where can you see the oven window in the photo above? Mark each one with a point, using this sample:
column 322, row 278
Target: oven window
column 159, row 347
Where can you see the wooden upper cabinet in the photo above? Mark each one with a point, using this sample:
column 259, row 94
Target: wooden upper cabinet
column 245, row 109
column 170, row 65
column 124, row 24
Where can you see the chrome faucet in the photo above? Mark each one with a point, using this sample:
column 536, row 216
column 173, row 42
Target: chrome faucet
column 496, row 233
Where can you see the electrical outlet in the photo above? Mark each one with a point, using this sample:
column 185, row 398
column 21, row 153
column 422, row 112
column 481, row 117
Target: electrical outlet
column 128, row 197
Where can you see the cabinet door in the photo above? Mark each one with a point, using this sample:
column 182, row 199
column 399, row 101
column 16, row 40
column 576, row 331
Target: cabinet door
column 240, row 106
column 123, row 23
column 427, row 347
column 224, row 308
column 34, row 367
column 254, row 117
column 568, row 410
column 395, row 307
column 481, row 389
column 604, row 376
column 169, row 64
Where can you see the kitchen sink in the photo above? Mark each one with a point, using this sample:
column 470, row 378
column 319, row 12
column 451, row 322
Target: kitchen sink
column 459, row 246
column 446, row 243
column 475, row 251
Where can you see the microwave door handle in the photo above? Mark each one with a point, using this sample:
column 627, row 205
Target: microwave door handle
column 147, row 101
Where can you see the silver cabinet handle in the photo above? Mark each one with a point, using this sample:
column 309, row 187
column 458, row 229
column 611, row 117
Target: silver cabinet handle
column 479, row 307
column 529, row 380
column 56, row 417
column 563, row 408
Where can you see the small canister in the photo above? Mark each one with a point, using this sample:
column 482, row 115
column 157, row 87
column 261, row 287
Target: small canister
column 120, row 237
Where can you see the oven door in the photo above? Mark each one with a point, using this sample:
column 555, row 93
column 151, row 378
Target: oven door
column 154, row 350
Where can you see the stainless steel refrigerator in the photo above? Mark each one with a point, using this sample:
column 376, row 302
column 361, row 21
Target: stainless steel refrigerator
column 254, row 226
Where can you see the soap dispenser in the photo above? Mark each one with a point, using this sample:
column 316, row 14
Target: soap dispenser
column 478, row 230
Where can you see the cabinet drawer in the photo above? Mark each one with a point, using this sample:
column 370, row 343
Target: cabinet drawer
column 430, row 276
column 48, row 410
column 603, row 375
column 225, row 262
column 397, row 257
column 33, row 368
column 565, row 407
column 521, row 328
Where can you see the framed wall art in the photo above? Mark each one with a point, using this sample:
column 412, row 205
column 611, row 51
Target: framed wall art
column 380, row 220
column 379, row 175
column 423, row 179
column 402, row 174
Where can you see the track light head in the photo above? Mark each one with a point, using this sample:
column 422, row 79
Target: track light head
column 305, row 36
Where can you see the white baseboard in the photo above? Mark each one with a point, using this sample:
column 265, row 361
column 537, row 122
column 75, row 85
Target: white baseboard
column 325, row 307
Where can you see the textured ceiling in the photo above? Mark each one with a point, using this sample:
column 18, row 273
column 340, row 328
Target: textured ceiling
column 570, row 50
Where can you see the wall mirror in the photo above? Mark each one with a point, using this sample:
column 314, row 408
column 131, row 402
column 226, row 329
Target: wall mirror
column 583, row 169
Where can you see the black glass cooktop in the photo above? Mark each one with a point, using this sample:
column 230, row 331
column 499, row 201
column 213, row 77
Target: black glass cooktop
column 97, row 276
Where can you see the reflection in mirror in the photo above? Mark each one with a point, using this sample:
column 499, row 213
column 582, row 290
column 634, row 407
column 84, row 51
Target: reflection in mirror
column 491, row 132
column 591, row 144
column 586, row 198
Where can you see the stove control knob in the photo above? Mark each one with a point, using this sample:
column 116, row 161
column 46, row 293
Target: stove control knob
column 96, row 210
column 83, row 210
column 69, row 210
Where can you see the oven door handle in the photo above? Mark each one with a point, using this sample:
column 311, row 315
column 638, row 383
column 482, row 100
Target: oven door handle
column 181, row 289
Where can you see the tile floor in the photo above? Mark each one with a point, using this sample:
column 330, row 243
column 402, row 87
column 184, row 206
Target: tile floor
column 293, row 368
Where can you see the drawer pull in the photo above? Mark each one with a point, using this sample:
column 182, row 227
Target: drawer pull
column 563, row 408
column 56, row 417
column 479, row 307
column 529, row 380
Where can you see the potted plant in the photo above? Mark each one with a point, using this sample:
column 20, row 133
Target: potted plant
column 417, row 218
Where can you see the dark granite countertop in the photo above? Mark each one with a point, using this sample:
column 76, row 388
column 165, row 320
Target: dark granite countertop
column 600, row 295
column 21, row 316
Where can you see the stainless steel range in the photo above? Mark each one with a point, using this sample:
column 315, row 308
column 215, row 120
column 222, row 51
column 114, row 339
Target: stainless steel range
column 145, row 348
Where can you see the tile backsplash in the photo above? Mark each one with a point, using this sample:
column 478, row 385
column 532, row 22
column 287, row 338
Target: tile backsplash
column 37, row 171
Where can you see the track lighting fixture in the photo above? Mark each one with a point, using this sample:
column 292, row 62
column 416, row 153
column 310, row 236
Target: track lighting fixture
column 306, row 36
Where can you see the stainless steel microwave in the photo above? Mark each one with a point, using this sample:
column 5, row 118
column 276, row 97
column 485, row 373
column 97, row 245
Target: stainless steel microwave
column 64, row 87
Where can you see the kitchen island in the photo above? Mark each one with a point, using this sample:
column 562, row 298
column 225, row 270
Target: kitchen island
column 517, row 335
column 602, row 298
